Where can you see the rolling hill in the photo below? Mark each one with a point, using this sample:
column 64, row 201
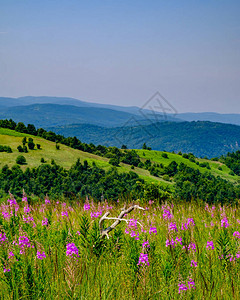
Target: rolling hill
column 64, row 157
column 67, row 156
column 200, row 138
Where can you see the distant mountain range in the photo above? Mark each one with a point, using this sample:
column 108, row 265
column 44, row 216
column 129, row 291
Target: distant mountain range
column 200, row 138
column 116, row 125
column 54, row 111
column 133, row 112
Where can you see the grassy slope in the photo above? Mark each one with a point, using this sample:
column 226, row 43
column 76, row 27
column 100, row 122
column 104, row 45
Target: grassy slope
column 65, row 157
column 156, row 156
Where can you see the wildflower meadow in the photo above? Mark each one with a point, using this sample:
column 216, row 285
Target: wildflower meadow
column 53, row 250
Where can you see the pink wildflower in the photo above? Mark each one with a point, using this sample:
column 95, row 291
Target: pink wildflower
column 210, row 245
column 44, row 222
column 41, row 255
column 153, row 230
column 143, row 259
column 181, row 288
column 193, row 263
column 72, row 250
column 236, row 234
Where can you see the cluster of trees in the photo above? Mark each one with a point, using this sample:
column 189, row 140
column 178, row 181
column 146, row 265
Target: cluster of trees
column 192, row 184
column 232, row 160
column 5, row 149
column 129, row 157
column 29, row 143
column 81, row 180
column 116, row 155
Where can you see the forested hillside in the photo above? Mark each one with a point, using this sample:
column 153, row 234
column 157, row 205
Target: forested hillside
column 45, row 163
column 200, row 138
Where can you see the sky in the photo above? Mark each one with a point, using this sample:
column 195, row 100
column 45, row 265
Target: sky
column 123, row 52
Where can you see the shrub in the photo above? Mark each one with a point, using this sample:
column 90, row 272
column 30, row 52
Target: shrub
column 166, row 177
column 20, row 148
column 164, row 155
column 21, row 160
column 114, row 161
column 25, row 149
column 31, row 144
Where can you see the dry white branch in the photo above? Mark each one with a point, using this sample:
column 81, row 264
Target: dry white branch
column 104, row 232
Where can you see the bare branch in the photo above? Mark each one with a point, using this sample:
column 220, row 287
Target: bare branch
column 104, row 232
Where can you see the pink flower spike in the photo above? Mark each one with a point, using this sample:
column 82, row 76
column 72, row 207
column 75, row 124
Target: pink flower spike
column 181, row 288
column 191, row 284
column 193, row 263
column 41, row 255
column 153, row 230
column 6, row 270
column 210, row 245
column 236, row 234
column 143, row 259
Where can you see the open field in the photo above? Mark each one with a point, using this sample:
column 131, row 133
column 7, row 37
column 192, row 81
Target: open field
column 64, row 157
column 156, row 156
column 67, row 156
column 52, row 250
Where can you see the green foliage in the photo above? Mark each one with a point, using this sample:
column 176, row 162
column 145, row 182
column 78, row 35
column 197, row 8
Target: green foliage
column 164, row 155
column 5, row 149
column 21, row 160
column 114, row 161
column 31, row 144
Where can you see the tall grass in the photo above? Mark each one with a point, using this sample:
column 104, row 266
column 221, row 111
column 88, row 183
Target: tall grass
column 191, row 251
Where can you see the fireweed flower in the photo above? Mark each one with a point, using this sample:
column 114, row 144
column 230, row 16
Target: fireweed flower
column 145, row 244
column 86, row 206
column 3, row 237
column 184, row 226
column 193, row 263
column 72, row 250
column 41, row 255
column 191, row 284
column 224, row 222
column 24, row 199
column 210, row 245
column 44, row 222
column 172, row 227
column 6, row 215
column 190, row 222
column 26, row 209
column 24, row 242
column 232, row 258
column 236, row 234
column 47, row 201
column 12, row 202
column 64, row 213
column 181, row 288
column 6, row 270
column 192, row 246
column 10, row 254
column 95, row 214
column 143, row 259
column 179, row 240
column 171, row 243
column 132, row 223
column 167, row 215
column 153, row 230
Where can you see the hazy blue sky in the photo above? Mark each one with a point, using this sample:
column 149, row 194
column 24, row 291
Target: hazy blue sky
column 122, row 52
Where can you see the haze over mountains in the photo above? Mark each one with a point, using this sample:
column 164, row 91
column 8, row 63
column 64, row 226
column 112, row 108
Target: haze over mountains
column 116, row 125
column 30, row 101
